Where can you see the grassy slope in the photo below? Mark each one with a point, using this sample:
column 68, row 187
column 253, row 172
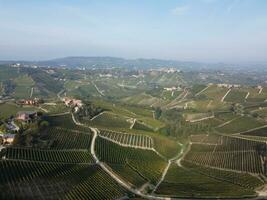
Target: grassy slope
column 8, row 109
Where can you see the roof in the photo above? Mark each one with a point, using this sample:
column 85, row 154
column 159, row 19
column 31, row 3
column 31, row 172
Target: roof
column 26, row 112
column 8, row 135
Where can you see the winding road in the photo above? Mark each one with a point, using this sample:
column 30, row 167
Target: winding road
column 110, row 172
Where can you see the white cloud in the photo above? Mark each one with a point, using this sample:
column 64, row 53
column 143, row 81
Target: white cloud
column 180, row 10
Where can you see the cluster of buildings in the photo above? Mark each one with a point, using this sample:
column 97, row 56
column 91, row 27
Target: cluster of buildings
column 226, row 85
column 74, row 103
column 23, row 116
column 173, row 88
column 168, row 70
column 105, row 75
column 34, row 101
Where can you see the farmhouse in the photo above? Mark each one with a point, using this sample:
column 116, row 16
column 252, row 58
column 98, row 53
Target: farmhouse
column 26, row 116
column 72, row 102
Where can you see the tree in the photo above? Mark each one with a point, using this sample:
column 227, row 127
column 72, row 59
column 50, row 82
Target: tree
column 44, row 124
column 158, row 112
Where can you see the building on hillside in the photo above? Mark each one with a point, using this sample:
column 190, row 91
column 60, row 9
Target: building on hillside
column 35, row 101
column 72, row 102
column 7, row 138
column 173, row 88
column 225, row 85
column 26, row 116
column 11, row 126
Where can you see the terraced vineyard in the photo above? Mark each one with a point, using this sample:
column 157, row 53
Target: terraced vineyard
column 146, row 162
column 234, row 154
column 125, row 139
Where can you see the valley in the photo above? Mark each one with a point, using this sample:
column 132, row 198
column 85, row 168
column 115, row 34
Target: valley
column 119, row 134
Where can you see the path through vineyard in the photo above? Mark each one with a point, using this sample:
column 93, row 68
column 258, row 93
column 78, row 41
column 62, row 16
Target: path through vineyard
column 111, row 173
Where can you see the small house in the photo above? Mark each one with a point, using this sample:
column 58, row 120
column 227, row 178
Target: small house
column 26, row 116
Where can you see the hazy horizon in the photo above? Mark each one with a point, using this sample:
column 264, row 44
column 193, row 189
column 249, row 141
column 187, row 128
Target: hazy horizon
column 229, row 31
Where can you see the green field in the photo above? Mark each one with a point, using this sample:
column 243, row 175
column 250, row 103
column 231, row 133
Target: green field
column 11, row 109
column 23, row 86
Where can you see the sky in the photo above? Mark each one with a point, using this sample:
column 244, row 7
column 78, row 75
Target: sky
column 186, row 30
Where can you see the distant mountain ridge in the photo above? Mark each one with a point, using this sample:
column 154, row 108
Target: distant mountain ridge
column 90, row 62
column 109, row 62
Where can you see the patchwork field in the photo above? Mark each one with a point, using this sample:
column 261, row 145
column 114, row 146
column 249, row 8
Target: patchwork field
column 159, row 132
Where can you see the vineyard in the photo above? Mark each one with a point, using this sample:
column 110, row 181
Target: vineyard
column 236, row 95
column 240, row 124
column 125, row 139
column 128, row 174
column 214, row 92
column 61, row 138
column 206, row 139
column 109, row 120
column 146, row 162
column 142, row 126
column 35, row 180
column 59, row 156
column 234, row 154
column 167, row 147
column 258, row 132
column 242, row 179
column 61, row 121
column 183, row 182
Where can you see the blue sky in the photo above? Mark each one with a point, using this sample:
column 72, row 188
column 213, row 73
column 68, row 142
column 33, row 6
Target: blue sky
column 195, row 30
